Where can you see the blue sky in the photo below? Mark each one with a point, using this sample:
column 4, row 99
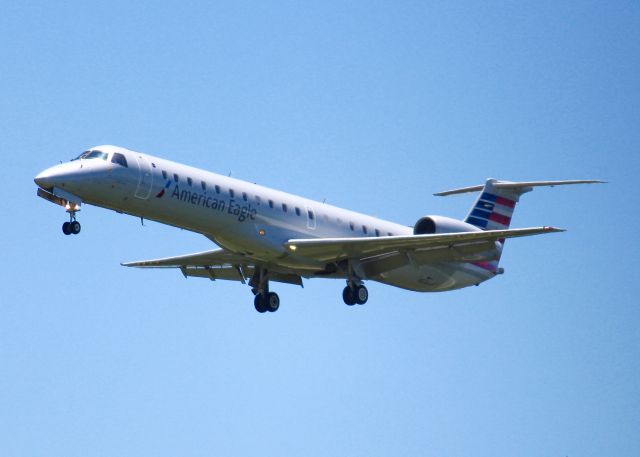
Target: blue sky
column 372, row 106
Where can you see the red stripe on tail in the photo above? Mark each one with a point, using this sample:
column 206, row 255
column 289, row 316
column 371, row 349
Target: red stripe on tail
column 499, row 218
column 505, row 202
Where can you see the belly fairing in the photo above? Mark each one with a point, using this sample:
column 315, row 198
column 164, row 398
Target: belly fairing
column 435, row 278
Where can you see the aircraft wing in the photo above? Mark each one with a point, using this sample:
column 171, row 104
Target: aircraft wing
column 199, row 259
column 377, row 254
column 457, row 244
column 215, row 264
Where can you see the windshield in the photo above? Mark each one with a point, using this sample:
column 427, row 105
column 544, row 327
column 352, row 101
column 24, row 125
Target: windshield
column 92, row 155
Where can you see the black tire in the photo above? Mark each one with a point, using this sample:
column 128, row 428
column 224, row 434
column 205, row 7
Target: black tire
column 259, row 304
column 272, row 302
column 348, row 296
column 75, row 227
column 66, row 228
column 361, row 295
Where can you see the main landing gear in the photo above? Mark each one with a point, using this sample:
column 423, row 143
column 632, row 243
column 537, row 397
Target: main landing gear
column 355, row 293
column 73, row 226
column 264, row 300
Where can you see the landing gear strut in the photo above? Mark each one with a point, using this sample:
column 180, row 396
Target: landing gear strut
column 355, row 292
column 264, row 300
column 73, row 226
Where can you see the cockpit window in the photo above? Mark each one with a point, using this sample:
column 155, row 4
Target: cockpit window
column 120, row 159
column 81, row 156
column 92, row 155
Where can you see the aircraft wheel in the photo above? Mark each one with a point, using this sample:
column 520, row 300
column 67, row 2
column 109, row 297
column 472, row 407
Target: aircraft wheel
column 259, row 304
column 348, row 296
column 75, row 227
column 66, row 228
column 273, row 302
column 361, row 295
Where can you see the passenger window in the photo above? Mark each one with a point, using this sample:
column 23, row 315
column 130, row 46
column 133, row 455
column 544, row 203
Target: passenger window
column 244, row 196
column 204, row 185
column 297, row 211
column 164, row 174
column 284, row 207
column 364, row 229
column 258, row 199
column 189, row 181
column 377, row 232
column 270, row 203
column 311, row 215
column 351, row 225
column 175, row 177
column 217, row 189
column 120, row 159
column 231, row 193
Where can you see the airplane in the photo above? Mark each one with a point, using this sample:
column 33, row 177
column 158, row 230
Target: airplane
column 265, row 235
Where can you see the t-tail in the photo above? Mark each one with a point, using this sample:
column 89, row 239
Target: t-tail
column 494, row 207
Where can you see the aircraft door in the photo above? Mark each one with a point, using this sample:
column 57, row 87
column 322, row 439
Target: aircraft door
column 145, row 178
column 311, row 218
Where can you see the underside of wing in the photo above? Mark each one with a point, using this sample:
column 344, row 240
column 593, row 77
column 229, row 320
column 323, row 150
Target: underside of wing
column 206, row 258
column 438, row 247
column 216, row 264
column 376, row 255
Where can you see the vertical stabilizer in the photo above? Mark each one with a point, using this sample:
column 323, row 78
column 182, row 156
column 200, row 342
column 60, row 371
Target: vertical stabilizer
column 494, row 207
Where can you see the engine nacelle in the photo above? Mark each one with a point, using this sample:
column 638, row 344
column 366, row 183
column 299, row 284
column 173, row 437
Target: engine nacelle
column 441, row 224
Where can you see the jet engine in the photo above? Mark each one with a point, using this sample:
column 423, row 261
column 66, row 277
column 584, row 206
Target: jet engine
column 441, row 224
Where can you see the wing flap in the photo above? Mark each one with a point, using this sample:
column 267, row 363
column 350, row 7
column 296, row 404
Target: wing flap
column 228, row 273
column 331, row 249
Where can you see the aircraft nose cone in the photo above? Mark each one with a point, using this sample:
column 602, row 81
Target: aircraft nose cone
column 53, row 177
column 43, row 179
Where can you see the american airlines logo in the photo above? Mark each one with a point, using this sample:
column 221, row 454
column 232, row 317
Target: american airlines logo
column 241, row 211
column 161, row 193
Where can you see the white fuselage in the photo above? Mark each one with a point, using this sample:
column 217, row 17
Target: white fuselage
column 239, row 216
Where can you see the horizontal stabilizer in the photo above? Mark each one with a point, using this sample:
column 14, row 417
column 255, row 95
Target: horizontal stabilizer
column 520, row 187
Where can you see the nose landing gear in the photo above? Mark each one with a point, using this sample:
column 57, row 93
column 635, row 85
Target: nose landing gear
column 73, row 226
